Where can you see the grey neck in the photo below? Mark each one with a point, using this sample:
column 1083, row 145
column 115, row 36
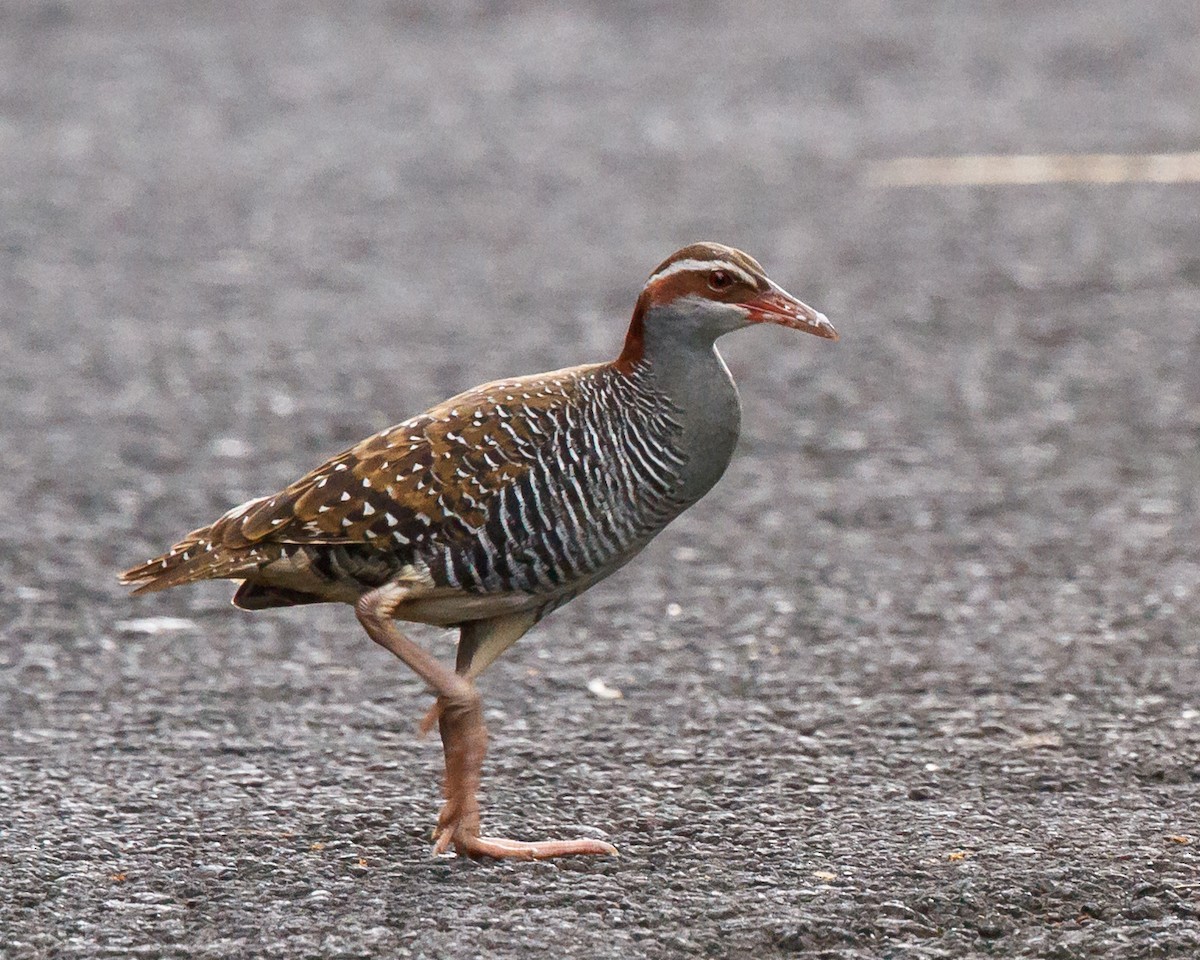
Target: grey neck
column 694, row 377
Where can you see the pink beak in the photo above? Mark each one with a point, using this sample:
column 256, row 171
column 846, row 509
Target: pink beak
column 779, row 306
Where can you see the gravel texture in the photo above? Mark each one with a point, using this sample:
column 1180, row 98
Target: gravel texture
column 920, row 678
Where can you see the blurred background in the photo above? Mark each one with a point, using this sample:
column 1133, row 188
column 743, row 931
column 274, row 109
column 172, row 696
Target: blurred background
column 920, row 675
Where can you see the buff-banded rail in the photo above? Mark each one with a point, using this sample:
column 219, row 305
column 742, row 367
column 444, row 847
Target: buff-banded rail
column 503, row 503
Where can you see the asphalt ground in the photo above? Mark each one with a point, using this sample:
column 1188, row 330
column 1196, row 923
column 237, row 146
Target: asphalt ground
column 918, row 679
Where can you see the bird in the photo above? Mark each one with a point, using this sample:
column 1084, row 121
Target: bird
column 501, row 504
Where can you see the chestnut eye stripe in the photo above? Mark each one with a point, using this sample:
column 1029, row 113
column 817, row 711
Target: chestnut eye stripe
column 704, row 266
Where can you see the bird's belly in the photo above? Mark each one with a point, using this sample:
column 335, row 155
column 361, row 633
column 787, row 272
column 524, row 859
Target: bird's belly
column 454, row 607
column 309, row 572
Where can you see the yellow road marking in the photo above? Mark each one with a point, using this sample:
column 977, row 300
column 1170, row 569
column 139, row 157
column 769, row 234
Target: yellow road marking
column 992, row 170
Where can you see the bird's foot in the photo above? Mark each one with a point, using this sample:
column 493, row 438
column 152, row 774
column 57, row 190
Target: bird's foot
column 464, row 739
column 468, row 842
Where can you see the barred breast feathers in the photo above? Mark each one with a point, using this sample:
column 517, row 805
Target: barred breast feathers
column 595, row 490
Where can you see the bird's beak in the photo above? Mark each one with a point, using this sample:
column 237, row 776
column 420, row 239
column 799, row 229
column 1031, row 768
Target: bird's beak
column 779, row 306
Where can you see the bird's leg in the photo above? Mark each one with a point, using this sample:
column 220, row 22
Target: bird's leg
column 480, row 643
column 464, row 741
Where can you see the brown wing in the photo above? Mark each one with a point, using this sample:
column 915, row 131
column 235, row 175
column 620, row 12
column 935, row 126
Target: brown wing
column 426, row 481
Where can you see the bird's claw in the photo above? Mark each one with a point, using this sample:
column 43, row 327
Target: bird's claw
column 474, row 845
column 459, row 828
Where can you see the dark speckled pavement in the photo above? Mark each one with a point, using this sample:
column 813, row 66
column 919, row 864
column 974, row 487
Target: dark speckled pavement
column 920, row 678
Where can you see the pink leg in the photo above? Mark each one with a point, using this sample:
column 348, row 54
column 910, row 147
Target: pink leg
column 464, row 741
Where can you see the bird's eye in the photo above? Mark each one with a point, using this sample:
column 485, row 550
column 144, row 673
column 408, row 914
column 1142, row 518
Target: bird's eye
column 720, row 280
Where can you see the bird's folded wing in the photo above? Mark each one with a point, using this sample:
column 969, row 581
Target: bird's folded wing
column 429, row 482
column 430, row 479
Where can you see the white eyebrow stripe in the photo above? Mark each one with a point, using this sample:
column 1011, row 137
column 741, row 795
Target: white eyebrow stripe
column 679, row 266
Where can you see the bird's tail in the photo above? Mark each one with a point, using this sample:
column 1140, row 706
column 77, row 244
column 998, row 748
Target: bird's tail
column 195, row 557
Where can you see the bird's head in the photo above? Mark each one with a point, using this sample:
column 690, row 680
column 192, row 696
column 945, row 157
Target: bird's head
column 706, row 290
